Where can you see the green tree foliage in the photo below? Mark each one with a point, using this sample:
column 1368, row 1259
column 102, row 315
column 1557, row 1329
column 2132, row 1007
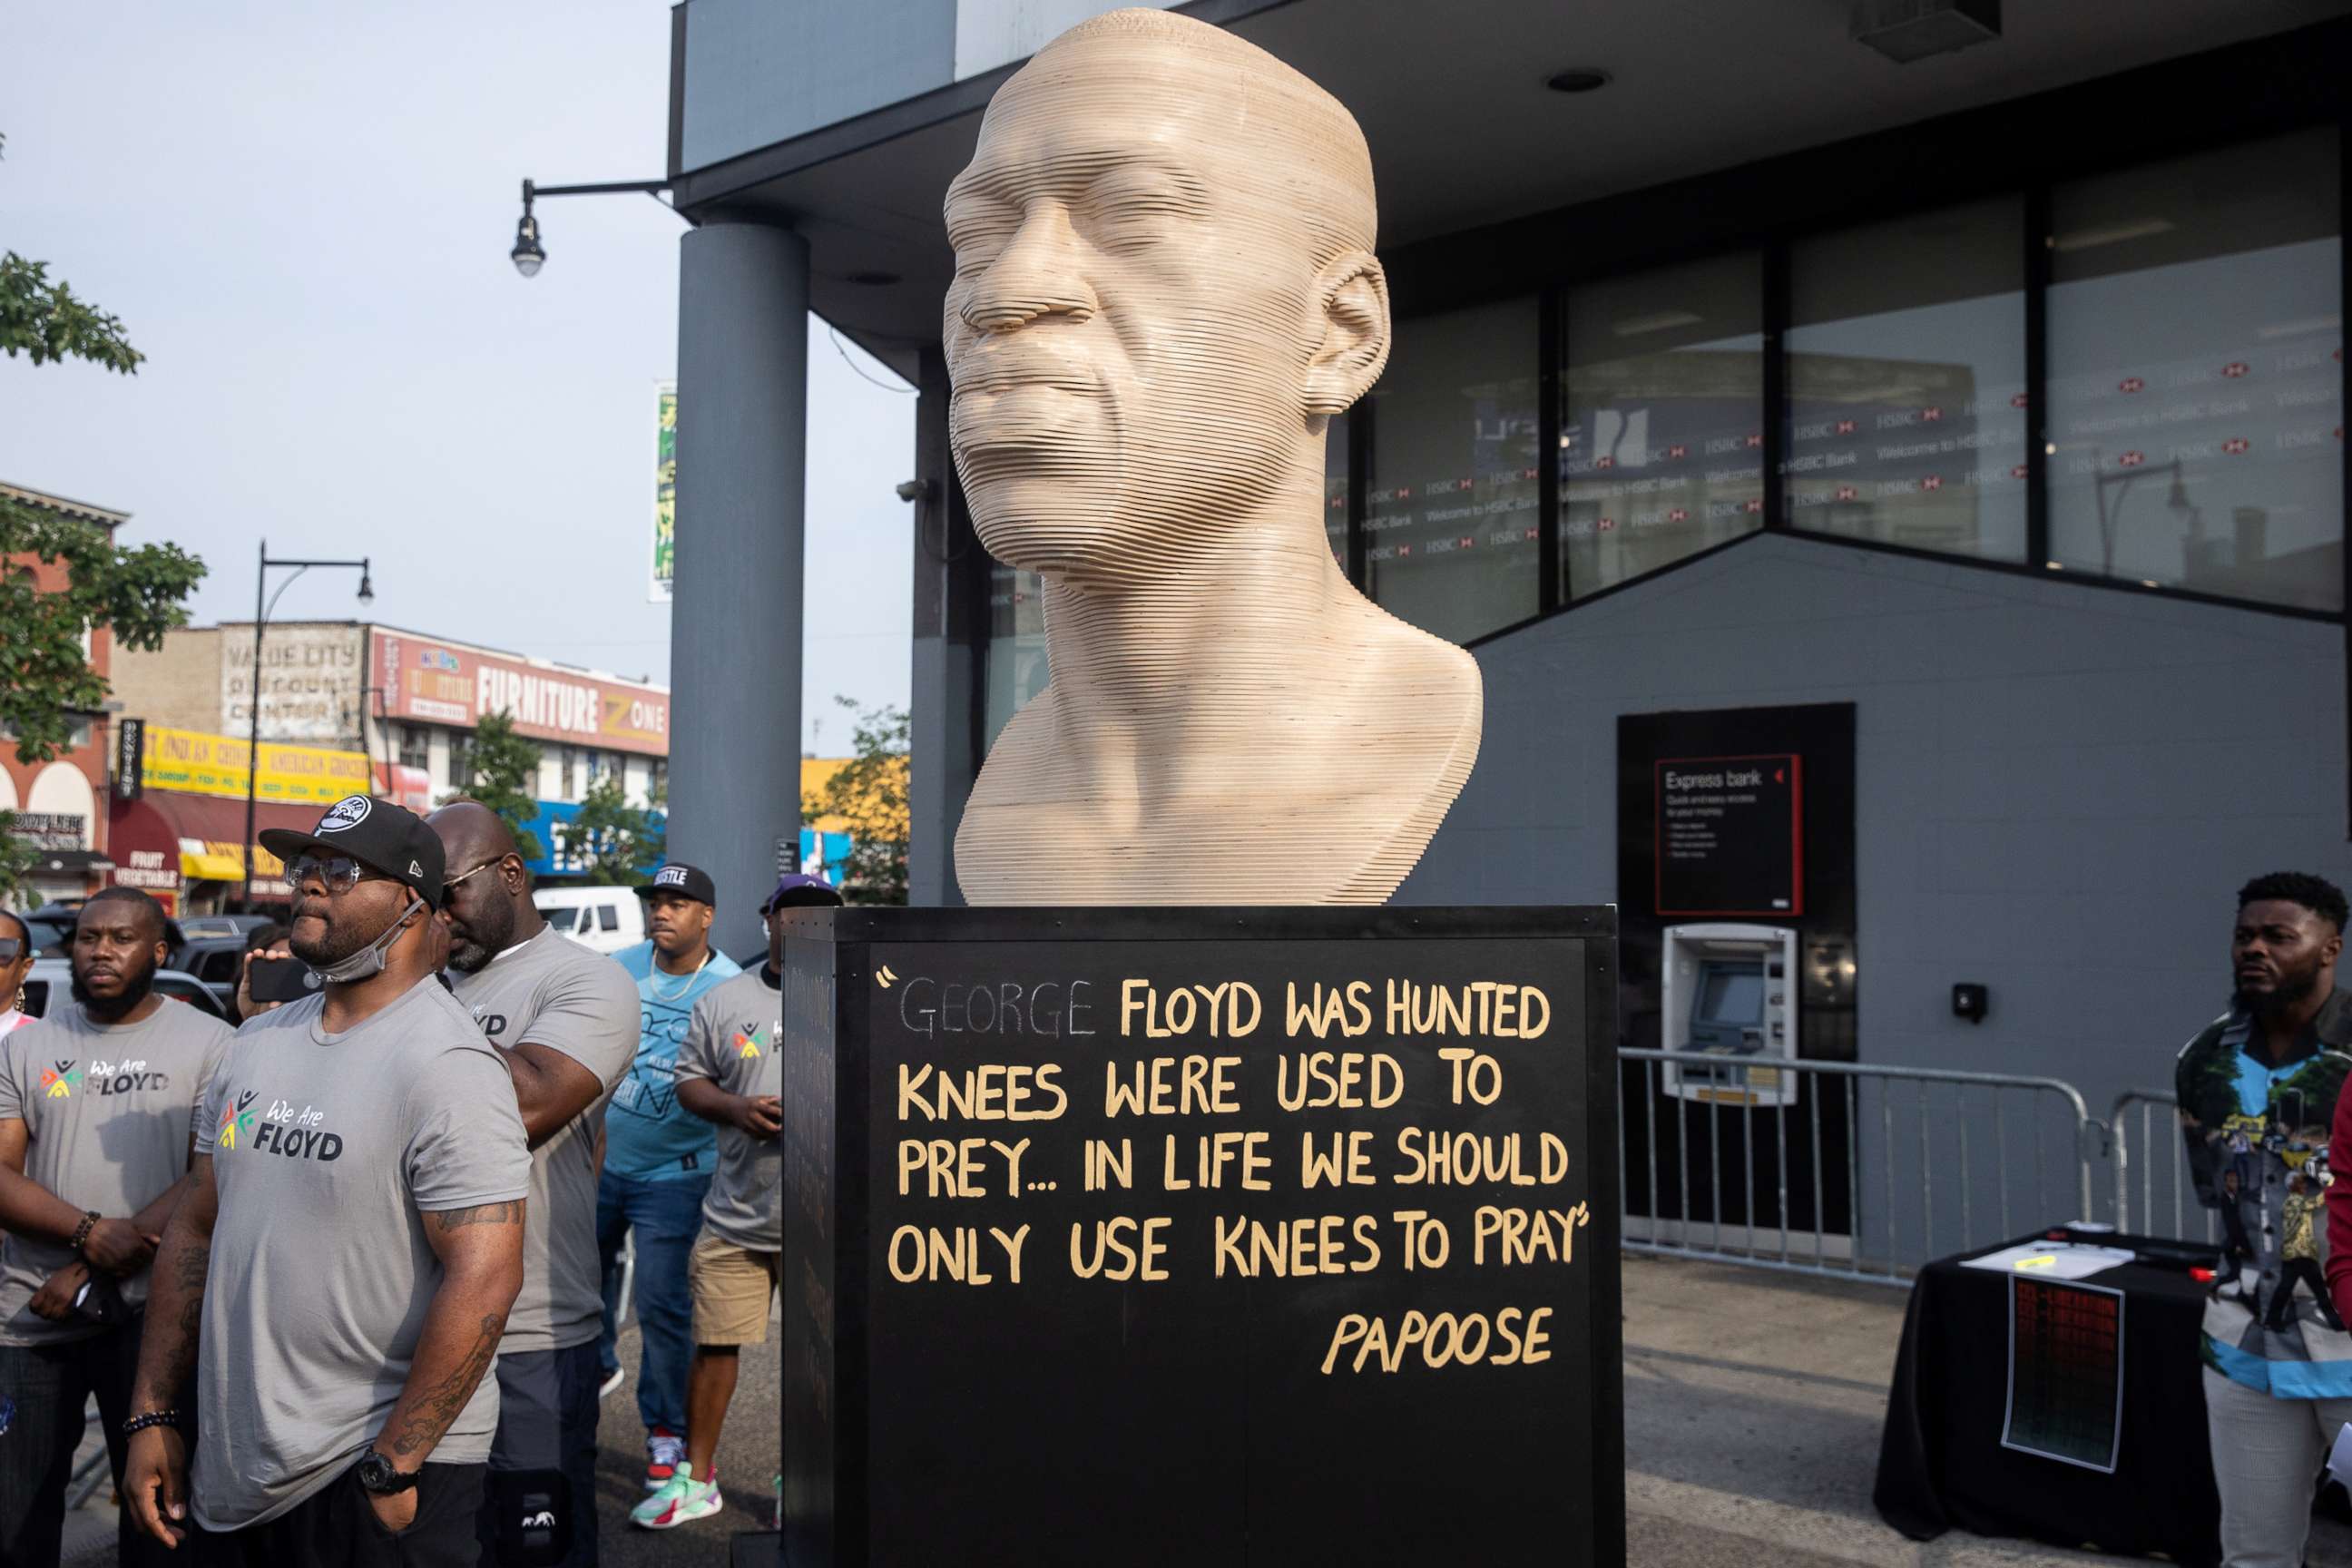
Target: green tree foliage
column 869, row 792
column 44, row 320
column 44, row 678
column 501, row 771
column 612, row 843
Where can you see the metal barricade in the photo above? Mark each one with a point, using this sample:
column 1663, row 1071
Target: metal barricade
column 2000, row 1152
column 2153, row 1194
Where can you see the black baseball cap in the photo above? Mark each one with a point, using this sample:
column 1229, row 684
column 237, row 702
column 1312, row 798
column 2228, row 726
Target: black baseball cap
column 377, row 834
column 794, row 891
column 686, row 881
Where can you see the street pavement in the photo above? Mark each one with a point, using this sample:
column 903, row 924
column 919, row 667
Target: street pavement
column 747, row 1463
column 1753, row 1406
column 1754, row 1403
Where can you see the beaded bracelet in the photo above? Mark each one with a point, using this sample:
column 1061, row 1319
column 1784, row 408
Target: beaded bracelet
column 153, row 1418
column 81, row 1231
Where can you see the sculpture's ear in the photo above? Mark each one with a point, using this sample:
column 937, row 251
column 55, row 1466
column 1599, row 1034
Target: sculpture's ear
column 1354, row 295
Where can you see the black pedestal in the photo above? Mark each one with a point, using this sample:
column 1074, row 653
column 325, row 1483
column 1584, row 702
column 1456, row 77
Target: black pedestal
column 1201, row 1236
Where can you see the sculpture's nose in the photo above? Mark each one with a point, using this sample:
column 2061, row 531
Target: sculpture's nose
column 1040, row 272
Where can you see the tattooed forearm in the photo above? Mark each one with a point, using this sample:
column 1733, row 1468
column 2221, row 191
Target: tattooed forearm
column 507, row 1213
column 175, row 1316
column 423, row 1415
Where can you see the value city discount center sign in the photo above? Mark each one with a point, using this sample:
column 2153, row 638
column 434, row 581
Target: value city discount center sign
column 436, row 682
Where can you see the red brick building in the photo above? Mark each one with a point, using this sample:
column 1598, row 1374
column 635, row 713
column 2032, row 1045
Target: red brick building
column 60, row 805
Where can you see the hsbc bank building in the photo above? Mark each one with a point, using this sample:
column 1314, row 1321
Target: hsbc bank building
column 1932, row 436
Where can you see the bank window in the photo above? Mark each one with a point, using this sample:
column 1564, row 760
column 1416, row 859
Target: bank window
column 1016, row 644
column 1452, row 503
column 1662, row 418
column 2196, row 393
column 414, row 751
column 1906, row 419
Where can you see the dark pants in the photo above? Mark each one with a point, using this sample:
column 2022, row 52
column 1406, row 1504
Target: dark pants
column 337, row 1526
column 43, row 1390
column 543, row 1461
column 667, row 1217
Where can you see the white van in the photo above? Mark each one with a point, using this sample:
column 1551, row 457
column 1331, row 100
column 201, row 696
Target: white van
column 605, row 919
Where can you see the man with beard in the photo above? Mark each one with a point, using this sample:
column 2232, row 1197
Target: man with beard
column 2259, row 1088
column 98, row 1110
column 658, row 1157
column 350, row 1243
column 564, row 1021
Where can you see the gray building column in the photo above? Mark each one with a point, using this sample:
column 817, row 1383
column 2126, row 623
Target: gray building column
column 735, row 611
column 949, row 643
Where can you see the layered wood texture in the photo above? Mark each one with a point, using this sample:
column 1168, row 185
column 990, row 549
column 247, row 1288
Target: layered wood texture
column 1165, row 289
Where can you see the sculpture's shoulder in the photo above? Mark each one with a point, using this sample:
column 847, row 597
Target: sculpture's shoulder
column 1424, row 685
column 1322, row 784
column 1431, row 715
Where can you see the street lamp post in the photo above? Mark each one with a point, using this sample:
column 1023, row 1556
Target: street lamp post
column 528, row 255
column 253, row 700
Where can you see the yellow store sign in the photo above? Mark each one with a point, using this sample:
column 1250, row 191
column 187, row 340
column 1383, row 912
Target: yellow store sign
column 195, row 764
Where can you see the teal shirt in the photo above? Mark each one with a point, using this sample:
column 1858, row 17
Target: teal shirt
column 648, row 1135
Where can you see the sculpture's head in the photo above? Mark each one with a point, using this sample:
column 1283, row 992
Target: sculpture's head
column 1164, row 287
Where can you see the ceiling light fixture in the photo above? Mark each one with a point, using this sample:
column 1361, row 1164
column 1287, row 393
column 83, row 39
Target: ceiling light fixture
column 1908, row 30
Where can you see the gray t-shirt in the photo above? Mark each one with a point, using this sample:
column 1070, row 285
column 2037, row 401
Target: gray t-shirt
column 328, row 1151
column 735, row 1041
column 109, row 1109
column 552, row 992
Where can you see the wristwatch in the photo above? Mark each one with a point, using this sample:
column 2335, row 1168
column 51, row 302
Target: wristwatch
column 377, row 1476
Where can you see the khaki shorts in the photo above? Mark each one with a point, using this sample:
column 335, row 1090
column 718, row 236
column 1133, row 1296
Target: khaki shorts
column 732, row 1287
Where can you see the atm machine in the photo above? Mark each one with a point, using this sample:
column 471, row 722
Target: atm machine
column 1730, row 991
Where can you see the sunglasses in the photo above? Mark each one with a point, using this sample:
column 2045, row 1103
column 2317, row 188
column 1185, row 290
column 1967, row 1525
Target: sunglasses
column 339, row 874
column 450, row 887
column 12, row 948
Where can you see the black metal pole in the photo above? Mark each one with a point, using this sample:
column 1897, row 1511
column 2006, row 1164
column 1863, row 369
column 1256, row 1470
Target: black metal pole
column 253, row 713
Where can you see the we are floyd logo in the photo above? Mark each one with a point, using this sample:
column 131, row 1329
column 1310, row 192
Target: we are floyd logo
column 59, row 1080
column 281, row 1129
column 236, row 1123
column 747, row 1040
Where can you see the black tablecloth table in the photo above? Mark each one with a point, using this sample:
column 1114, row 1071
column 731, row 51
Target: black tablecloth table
column 1942, row 1464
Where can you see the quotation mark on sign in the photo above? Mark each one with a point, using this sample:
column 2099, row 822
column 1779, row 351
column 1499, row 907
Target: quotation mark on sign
column 884, row 977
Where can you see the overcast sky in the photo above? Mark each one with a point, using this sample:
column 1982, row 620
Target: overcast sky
column 303, row 216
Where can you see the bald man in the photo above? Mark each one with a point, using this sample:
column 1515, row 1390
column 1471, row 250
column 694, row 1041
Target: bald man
column 564, row 1021
column 1164, row 291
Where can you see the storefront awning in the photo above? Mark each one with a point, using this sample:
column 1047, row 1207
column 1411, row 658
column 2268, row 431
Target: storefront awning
column 210, row 833
column 145, row 848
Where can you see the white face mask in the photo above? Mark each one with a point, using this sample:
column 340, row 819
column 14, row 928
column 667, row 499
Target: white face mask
column 368, row 962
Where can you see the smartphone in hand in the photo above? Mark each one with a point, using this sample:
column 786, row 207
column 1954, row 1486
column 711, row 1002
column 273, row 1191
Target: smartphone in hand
column 280, row 980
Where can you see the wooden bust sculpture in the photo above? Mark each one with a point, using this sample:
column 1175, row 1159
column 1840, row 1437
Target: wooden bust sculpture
column 1164, row 291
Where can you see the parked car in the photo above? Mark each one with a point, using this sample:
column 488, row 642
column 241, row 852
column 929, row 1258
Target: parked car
column 213, row 960
column 52, row 926
column 237, row 926
column 54, row 976
column 605, row 919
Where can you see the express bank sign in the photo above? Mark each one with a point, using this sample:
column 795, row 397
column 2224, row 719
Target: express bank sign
column 445, row 683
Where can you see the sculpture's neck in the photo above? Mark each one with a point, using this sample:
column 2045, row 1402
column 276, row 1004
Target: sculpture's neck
column 1246, row 603
column 1178, row 682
